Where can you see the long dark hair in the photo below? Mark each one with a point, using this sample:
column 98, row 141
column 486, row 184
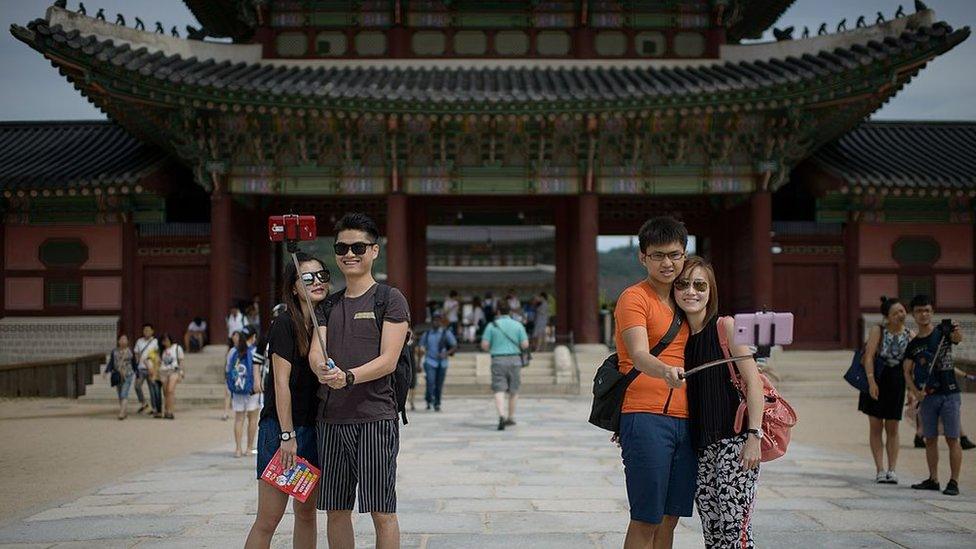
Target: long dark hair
column 241, row 347
column 303, row 332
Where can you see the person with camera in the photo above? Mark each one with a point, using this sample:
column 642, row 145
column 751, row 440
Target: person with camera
column 288, row 417
column 885, row 399
column 437, row 345
column 365, row 330
column 660, row 465
column 931, row 380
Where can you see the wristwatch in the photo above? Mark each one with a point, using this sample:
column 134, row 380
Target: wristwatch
column 350, row 379
column 288, row 435
column 756, row 433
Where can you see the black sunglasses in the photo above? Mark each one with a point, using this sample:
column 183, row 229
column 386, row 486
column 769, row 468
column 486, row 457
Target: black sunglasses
column 309, row 278
column 358, row 248
column 682, row 284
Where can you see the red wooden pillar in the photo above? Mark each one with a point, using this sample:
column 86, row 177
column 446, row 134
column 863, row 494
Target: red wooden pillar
column 3, row 266
column 220, row 264
column 563, row 246
column 852, row 232
column 128, row 320
column 418, row 261
column 587, row 270
column 397, row 244
column 762, row 256
column 262, row 269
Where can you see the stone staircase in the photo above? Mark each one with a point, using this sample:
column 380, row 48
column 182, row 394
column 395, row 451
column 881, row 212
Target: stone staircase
column 469, row 374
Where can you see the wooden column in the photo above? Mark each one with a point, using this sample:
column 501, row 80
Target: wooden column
column 418, row 261
column 262, row 269
column 221, row 276
column 128, row 321
column 852, row 231
column 398, row 244
column 3, row 266
column 587, row 269
column 563, row 246
column 761, row 213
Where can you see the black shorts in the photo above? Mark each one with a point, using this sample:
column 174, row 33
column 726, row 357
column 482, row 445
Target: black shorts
column 358, row 455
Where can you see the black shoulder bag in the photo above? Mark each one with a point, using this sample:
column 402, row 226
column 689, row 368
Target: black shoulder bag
column 610, row 386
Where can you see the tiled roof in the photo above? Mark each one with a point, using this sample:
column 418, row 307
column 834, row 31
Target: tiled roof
column 60, row 154
column 755, row 16
column 492, row 87
column 904, row 155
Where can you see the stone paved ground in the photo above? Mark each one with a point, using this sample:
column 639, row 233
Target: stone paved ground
column 552, row 481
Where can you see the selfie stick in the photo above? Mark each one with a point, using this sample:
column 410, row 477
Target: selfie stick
column 293, row 250
column 762, row 351
column 935, row 360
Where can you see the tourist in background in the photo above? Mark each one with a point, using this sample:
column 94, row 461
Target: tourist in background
column 489, row 304
column 452, row 311
column 171, row 372
column 122, row 368
column 478, row 318
column 939, row 399
column 235, row 323
column 539, row 329
column 436, row 345
column 885, row 399
column 728, row 461
column 244, row 383
column 235, row 339
column 144, row 348
column 195, row 337
column 504, row 339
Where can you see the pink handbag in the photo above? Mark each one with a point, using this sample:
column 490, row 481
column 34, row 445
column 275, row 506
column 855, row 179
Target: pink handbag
column 778, row 415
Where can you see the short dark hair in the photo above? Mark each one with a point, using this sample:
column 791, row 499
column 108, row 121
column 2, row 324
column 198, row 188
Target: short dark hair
column 358, row 221
column 144, row 326
column 921, row 300
column 887, row 303
column 503, row 308
column 662, row 230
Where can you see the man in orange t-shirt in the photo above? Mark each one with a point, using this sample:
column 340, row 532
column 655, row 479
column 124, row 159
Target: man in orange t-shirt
column 659, row 460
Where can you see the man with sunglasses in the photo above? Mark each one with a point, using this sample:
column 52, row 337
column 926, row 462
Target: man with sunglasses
column 358, row 429
column 659, row 460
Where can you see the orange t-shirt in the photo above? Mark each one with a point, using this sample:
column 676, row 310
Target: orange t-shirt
column 639, row 305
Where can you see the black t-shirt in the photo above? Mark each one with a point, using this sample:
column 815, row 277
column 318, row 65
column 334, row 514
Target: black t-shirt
column 921, row 350
column 303, row 383
column 712, row 399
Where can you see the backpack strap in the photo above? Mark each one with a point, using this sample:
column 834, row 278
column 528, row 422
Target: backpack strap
column 666, row 339
column 379, row 306
column 325, row 308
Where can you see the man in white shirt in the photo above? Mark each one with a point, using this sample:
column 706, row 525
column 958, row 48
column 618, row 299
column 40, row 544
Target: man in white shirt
column 196, row 335
column 235, row 323
column 452, row 311
column 144, row 346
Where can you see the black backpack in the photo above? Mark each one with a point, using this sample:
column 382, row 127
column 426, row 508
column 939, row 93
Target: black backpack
column 403, row 376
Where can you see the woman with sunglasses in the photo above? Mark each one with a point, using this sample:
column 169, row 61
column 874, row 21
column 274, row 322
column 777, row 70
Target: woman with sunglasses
column 728, row 462
column 288, row 418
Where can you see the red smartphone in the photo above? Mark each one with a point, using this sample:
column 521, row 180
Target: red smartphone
column 757, row 329
column 291, row 227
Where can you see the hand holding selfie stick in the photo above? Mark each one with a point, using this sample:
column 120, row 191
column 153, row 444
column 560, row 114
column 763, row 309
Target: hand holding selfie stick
column 763, row 347
column 291, row 229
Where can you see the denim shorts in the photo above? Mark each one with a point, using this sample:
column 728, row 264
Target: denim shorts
column 269, row 433
column 941, row 406
column 123, row 388
column 660, row 465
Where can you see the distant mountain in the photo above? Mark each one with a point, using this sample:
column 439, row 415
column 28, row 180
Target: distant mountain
column 618, row 270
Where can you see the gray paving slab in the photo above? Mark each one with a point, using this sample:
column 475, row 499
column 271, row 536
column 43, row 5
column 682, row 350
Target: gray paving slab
column 551, row 481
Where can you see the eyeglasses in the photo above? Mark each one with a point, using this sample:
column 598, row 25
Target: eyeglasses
column 358, row 248
column 699, row 285
column 309, row 278
column 659, row 256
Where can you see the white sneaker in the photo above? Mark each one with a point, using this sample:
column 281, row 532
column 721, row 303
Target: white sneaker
column 892, row 478
column 881, row 477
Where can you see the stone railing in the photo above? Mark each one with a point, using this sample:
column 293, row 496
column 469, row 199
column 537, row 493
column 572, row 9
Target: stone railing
column 61, row 377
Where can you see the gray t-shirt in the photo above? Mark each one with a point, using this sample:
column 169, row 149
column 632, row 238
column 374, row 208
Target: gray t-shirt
column 353, row 339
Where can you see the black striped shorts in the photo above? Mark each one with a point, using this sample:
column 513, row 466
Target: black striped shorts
column 362, row 454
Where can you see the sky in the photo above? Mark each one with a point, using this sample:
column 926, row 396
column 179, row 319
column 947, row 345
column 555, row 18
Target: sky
column 32, row 90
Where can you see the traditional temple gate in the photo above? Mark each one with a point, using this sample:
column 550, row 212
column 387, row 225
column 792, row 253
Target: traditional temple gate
column 596, row 113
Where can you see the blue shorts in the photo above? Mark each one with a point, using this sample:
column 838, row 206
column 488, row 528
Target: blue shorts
column 946, row 407
column 660, row 465
column 269, row 433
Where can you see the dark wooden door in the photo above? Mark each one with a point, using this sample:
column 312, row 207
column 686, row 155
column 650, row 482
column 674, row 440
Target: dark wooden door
column 172, row 296
column 812, row 293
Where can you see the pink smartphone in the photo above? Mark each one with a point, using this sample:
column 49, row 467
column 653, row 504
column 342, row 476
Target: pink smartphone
column 746, row 334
